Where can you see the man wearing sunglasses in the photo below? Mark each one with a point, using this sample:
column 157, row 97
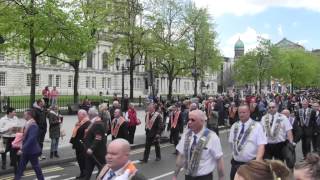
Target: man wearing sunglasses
column 279, row 132
column 199, row 150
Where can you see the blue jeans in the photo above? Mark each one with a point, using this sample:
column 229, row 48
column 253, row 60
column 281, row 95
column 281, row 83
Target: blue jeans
column 54, row 144
column 25, row 158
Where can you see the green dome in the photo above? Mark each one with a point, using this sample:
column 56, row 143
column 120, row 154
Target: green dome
column 239, row 45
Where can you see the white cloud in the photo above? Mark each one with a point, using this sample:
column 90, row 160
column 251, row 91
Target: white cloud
column 280, row 31
column 251, row 7
column 249, row 38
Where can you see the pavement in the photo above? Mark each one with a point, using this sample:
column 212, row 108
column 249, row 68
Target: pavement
column 67, row 154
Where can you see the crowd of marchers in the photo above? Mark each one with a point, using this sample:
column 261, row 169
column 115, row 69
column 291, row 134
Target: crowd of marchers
column 264, row 131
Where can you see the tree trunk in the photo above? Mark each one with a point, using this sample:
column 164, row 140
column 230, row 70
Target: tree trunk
column 131, row 69
column 195, row 91
column 33, row 58
column 170, row 79
column 75, row 82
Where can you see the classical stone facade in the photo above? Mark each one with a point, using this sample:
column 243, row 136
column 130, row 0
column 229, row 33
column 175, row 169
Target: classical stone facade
column 97, row 74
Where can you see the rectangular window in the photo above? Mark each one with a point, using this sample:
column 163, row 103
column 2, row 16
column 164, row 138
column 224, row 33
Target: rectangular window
column 87, row 82
column 1, row 56
column 2, row 79
column 103, row 82
column 89, row 59
column 50, row 80
column 58, row 80
column 70, row 81
column 94, row 82
column 109, row 83
column 29, row 79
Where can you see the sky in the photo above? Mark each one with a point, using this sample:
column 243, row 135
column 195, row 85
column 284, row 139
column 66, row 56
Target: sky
column 296, row 20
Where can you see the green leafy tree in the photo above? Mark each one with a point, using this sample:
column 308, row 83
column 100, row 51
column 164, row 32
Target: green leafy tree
column 170, row 48
column 83, row 24
column 257, row 64
column 296, row 67
column 202, row 41
column 29, row 26
column 126, row 24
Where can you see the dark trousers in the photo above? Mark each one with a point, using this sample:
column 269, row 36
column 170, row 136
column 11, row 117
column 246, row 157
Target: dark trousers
column 15, row 160
column 204, row 177
column 234, row 167
column 131, row 131
column 35, row 165
column 306, row 145
column 7, row 141
column 46, row 102
column 316, row 142
column 149, row 142
column 91, row 163
column 174, row 136
column 274, row 151
column 42, row 135
column 81, row 160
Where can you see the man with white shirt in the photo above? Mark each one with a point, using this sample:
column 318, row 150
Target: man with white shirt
column 118, row 166
column 9, row 124
column 247, row 140
column 278, row 130
column 199, row 150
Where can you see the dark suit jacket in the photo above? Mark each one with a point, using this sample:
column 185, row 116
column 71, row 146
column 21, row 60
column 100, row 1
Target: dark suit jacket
column 156, row 129
column 316, row 125
column 76, row 144
column 296, row 131
column 123, row 132
column 95, row 139
column 307, row 130
column 179, row 126
column 30, row 144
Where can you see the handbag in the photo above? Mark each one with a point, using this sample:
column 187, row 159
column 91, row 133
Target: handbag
column 2, row 146
column 289, row 154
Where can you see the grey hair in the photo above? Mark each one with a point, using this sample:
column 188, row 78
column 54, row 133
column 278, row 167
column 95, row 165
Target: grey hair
column 124, row 144
column 103, row 107
column 93, row 112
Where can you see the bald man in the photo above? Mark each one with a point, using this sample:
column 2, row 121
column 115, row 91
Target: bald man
column 199, row 141
column 118, row 166
column 278, row 130
column 306, row 116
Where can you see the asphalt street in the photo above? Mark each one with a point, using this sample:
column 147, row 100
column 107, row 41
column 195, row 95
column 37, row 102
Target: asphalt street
column 153, row 170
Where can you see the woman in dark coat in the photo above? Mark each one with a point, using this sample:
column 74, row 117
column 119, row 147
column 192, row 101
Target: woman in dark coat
column 55, row 120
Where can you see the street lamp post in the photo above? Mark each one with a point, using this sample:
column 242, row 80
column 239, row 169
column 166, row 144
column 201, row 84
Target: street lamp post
column 124, row 69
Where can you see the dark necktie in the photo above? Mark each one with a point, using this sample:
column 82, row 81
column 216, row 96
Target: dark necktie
column 241, row 133
column 194, row 143
column 111, row 175
column 271, row 122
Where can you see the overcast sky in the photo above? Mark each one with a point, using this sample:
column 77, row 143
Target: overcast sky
column 297, row 20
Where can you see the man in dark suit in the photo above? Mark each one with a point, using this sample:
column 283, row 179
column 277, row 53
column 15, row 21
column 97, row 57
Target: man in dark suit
column 119, row 126
column 30, row 149
column 77, row 140
column 41, row 120
column 316, row 135
column 95, row 143
column 306, row 116
column 175, row 125
column 154, row 127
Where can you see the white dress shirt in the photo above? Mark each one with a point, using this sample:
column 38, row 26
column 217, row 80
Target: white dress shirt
column 6, row 123
column 285, row 126
column 254, row 139
column 210, row 154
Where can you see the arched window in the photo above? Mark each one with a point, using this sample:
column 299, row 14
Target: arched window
column 105, row 60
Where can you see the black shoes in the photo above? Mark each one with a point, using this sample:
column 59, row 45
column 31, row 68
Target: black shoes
column 143, row 161
column 3, row 167
column 51, row 155
column 80, row 176
column 56, row 154
column 158, row 159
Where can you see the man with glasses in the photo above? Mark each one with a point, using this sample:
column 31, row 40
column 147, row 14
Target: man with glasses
column 278, row 130
column 199, row 150
column 246, row 139
column 306, row 116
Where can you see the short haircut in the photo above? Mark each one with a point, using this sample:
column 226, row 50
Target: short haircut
column 39, row 100
column 93, row 112
column 10, row 110
column 31, row 113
